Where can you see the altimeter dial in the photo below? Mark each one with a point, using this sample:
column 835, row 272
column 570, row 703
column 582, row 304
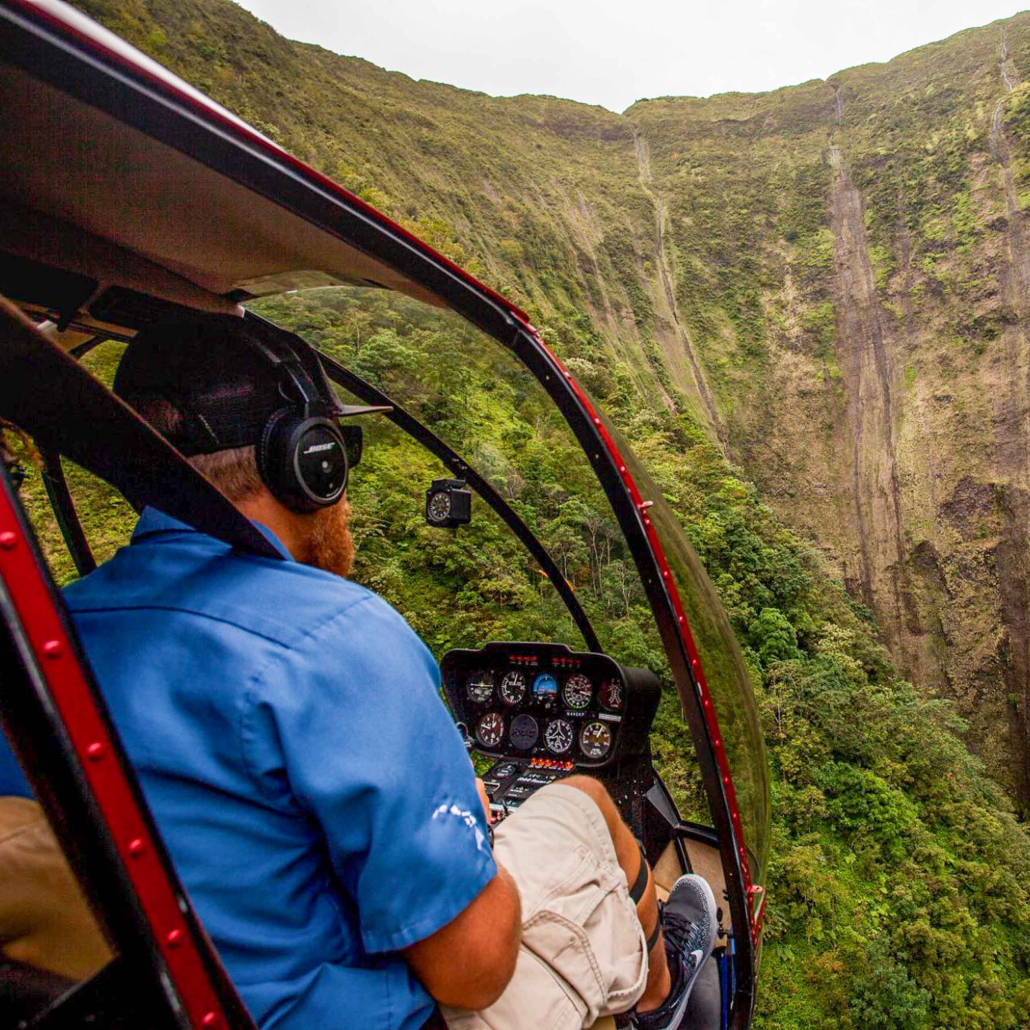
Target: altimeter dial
column 513, row 687
column 490, row 729
column 480, row 686
column 559, row 736
column 595, row 739
column 578, row 691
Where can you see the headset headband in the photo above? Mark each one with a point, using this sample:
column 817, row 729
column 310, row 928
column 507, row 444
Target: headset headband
column 298, row 366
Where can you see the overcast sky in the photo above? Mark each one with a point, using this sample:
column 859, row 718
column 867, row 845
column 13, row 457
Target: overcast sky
column 613, row 52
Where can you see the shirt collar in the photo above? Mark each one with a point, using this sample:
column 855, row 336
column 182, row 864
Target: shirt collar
column 152, row 522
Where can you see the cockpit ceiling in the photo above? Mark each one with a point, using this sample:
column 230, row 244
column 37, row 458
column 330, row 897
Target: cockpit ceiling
column 68, row 165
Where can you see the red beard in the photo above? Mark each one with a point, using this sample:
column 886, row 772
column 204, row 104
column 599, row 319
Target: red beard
column 329, row 544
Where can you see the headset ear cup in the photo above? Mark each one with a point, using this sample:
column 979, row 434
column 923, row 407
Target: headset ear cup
column 286, row 442
column 271, row 462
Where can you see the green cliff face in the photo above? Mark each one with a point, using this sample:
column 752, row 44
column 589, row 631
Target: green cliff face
column 808, row 310
column 877, row 389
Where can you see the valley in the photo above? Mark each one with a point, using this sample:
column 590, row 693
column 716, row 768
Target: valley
column 809, row 311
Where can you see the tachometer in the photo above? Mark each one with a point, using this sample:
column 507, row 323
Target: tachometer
column 578, row 691
column 558, row 736
column 595, row 739
column 490, row 729
column 611, row 695
column 513, row 687
column 480, row 686
column 524, row 732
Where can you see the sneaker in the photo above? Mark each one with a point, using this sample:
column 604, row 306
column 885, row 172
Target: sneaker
column 689, row 923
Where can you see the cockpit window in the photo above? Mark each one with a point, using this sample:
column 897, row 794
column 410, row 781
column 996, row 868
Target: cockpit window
column 106, row 517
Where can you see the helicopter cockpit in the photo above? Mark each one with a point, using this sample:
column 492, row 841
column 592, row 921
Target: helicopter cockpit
column 495, row 506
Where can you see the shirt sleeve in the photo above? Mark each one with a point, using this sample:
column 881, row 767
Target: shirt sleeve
column 360, row 735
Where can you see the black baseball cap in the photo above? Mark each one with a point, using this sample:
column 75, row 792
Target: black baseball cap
column 219, row 373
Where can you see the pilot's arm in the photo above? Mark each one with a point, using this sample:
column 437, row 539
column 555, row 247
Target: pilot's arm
column 468, row 962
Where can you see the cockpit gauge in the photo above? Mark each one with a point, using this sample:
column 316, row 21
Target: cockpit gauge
column 513, row 687
column 611, row 695
column 578, row 691
column 480, row 686
column 524, row 732
column 558, row 736
column 439, row 507
column 595, row 739
column 545, row 687
column 490, row 729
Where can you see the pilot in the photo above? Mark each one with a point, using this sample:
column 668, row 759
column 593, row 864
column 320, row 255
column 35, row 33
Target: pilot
column 288, row 733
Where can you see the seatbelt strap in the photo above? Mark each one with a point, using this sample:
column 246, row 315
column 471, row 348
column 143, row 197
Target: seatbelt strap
column 655, row 933
column 636, row 892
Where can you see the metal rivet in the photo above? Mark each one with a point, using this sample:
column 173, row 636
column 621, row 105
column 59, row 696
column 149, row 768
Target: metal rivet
column 174, row 938
column 95, row 751
column 53, row 649
column 136, row 847
column 210, row 1019
column 8, row 540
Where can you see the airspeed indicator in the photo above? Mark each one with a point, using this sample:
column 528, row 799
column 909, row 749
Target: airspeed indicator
column 480, row 686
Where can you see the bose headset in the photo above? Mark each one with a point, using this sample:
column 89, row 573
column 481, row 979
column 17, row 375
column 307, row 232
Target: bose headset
column 301, row 453
column 303, row 456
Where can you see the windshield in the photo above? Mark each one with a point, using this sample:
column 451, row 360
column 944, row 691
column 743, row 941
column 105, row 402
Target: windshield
column 461, row 588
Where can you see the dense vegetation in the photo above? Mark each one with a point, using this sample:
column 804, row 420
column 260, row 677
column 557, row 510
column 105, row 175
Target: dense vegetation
column 899, row 877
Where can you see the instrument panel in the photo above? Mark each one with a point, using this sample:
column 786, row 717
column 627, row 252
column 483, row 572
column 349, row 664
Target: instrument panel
column 540, row 701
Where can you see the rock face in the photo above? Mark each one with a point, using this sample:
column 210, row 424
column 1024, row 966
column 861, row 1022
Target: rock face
column 832, row 279
column 884, row 410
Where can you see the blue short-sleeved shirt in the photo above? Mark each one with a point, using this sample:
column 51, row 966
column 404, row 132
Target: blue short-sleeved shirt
column 288, row 733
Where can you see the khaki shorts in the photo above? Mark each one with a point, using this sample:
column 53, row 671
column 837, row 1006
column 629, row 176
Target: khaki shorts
column 583, row 953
